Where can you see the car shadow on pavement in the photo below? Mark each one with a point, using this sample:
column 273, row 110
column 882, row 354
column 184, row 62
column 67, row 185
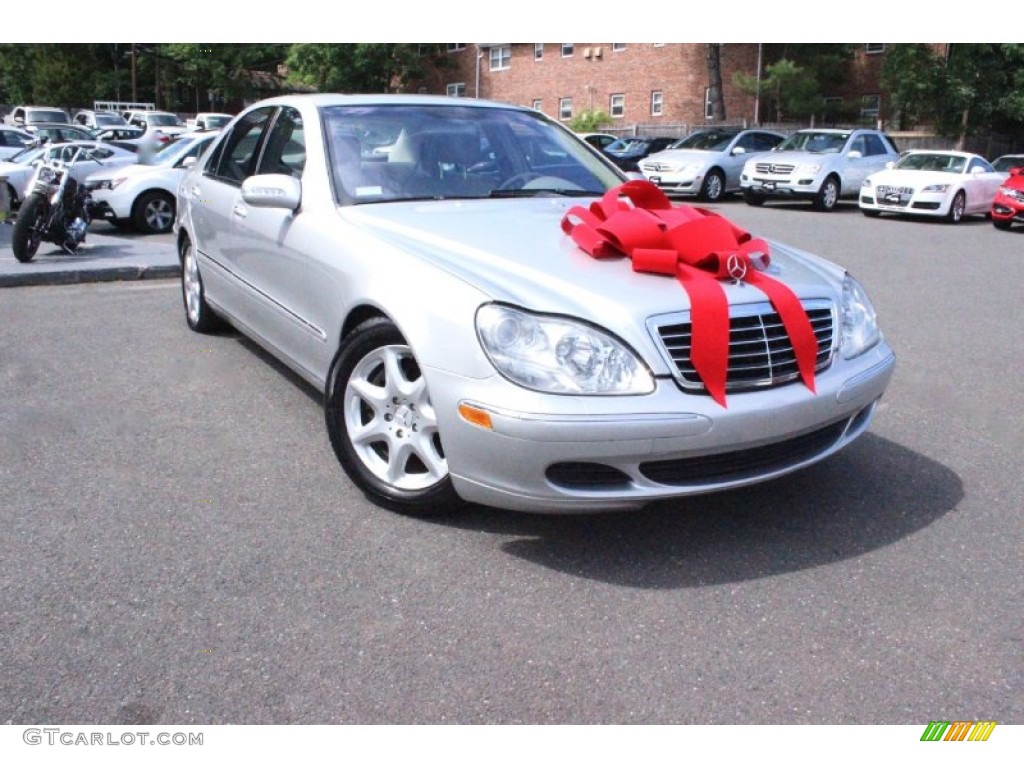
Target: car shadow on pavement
column 873, row 493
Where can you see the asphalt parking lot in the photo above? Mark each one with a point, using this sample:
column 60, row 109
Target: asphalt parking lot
column 180, row 545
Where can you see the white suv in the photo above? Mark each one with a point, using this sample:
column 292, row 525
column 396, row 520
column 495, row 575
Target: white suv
column 821, row 165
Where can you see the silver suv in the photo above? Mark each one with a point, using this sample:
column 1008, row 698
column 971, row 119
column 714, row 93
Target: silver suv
column 821, row 165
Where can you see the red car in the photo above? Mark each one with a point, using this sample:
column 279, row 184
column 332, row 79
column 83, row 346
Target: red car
column 1008, row 205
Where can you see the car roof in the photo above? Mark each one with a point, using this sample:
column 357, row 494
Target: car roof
column 361, row 99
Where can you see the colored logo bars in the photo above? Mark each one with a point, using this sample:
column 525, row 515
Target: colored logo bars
column 958, row 730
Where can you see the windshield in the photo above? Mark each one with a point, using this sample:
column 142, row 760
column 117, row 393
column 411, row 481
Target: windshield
column 1006, row 162
column 709, row 141
column 111, row 119
column 46, row 116
column 164, row 120
column 814, row 141
column 926, row 161
column 26, row 156
column 408, row 152
column 216, row 121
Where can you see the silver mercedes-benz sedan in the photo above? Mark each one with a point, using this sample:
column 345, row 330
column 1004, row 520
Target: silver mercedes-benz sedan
column 496, row 315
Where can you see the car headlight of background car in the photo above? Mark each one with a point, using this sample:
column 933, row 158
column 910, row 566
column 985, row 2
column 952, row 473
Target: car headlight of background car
column 808, row 170
column 109, row 183
column 943, row 188
column 558, row 355
column 858, row 321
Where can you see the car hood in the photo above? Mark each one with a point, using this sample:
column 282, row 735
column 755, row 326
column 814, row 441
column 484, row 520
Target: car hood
column 684, row 156
column 128, row 171
column 896, row 178
column 515, row 251
column 795, row 157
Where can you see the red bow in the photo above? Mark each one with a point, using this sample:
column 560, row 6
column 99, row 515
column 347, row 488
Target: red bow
column 699, row 247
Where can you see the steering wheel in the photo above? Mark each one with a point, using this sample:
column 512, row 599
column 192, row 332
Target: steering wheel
column 519, row 181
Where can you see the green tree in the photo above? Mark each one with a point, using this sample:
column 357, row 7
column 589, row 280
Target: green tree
column 361, row 67
column 913, row 75
column 786, row 89
column 589, row 121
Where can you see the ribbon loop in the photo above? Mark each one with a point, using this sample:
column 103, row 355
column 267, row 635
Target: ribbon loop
column 700, row 248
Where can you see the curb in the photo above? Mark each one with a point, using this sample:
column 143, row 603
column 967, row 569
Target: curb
column 88, row 275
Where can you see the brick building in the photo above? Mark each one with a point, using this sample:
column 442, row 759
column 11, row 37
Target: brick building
column 635, row 83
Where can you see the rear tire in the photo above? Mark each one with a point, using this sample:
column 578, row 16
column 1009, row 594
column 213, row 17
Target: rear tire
column 28, row 228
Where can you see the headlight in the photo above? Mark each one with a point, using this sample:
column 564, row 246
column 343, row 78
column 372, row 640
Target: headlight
column 866, row 184
column 858, row 322
column 936, row 188
column 810, row 169
column 559, row 356
column 692, row 168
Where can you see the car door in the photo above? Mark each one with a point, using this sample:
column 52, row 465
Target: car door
column 981, row 183
column 211, row 197
column 270, row 258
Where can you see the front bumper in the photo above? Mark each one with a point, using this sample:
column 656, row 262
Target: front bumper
column 1007, row 210
column 781, row 186
column 918, row 204
column 676, row 183
column 568, row 454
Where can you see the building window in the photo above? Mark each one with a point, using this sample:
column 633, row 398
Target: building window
column 455, row 47
column 617, row 104
column 709, row 112
column 538, row 51
column 870, row 106
column 618, row 47
column 565, row 108
column 501, row 57
column 657, row 100
column 566, row 49
column 456, row 89
column 874, row 47
column 537, row 104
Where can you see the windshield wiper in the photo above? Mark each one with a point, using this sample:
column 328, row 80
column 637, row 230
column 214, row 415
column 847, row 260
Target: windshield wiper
column 545, row 191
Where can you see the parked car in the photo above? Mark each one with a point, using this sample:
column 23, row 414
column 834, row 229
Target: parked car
column 1005, row 162
column 159, row 125
column 469, row 350
column 208, row 121
column 143, row 194
column 598, row 141
column 18, row 169
column 708, row 162
column 1008, row 204
column 99, row 120
column 13, row 140
column 932, row 183
column 28, row 117
column 822, row 165
column 58, row 133
column 626, row 153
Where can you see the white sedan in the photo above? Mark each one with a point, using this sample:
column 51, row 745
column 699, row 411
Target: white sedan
column 142, row 194
column 941, row 183
column 18, row 169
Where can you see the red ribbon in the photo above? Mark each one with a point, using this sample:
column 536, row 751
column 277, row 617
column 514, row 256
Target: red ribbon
column 700, row 248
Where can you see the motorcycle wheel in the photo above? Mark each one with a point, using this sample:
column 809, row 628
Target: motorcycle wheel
column 29, row 228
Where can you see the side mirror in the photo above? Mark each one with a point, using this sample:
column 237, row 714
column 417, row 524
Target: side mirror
column 189, row 163
column 853, row 154
column 890, row 164
column 738, row 151
column 272, row 190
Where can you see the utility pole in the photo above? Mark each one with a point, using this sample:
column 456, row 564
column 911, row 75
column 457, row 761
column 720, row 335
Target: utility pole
column 135, row 75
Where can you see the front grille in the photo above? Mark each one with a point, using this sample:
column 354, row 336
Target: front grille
column 777, row 169
column 760, row 352
column 736, row 465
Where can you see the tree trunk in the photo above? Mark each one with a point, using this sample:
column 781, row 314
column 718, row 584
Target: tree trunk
column 714, row 60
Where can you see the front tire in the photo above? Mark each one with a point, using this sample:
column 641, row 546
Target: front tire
column 752, row 198
column 153, row 213
column 28, row 228
column 382, row 425
column 957, row 208
column 713, row 188
column 828, row 195
column 1001, row 224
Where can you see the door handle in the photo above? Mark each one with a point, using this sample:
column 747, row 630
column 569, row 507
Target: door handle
column 240, row 211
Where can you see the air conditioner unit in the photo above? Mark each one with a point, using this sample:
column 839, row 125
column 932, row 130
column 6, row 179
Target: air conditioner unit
column 597, row 53
column 586, row 53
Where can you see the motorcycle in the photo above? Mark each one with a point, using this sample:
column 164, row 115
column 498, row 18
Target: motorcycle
column 58, row 209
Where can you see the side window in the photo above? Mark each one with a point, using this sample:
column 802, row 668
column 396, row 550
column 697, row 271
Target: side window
column 239, row 150
column 285, row 150
column 874, row 145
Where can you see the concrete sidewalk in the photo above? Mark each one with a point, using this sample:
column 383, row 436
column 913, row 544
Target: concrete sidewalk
column 105, row 255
